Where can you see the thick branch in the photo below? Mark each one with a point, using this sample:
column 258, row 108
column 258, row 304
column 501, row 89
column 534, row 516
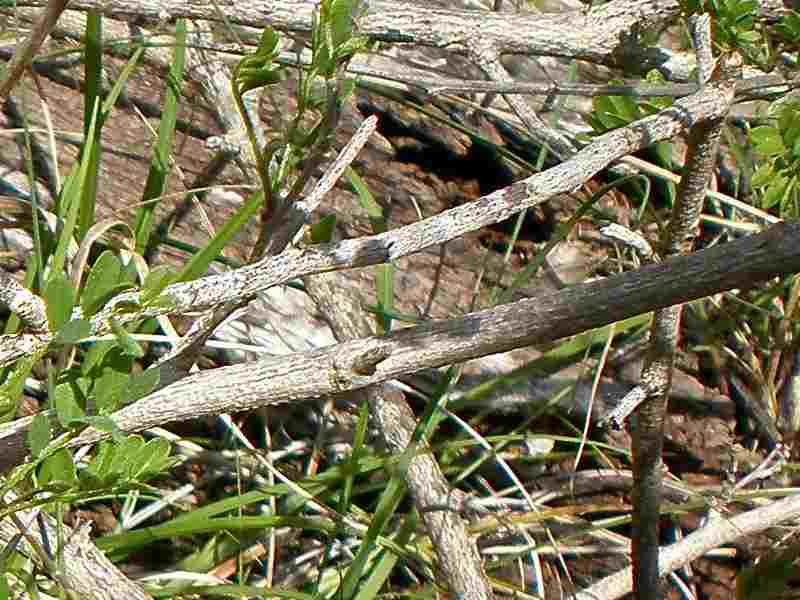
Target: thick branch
column 240, row 284
column 458, row 555
column 87, row 573
column 245, row 282
column 595, row 35
column 296, row 377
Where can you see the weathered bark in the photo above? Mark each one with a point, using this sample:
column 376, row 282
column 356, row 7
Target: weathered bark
column 457, row 554
column 340, row 368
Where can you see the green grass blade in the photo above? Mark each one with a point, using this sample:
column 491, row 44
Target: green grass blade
column 132, row 539
column 359, row 441
column 387, row 505
column 384, row 274
column 199, row 263
column 71, row 195
column 38, row 227
column 90, row 153
column 388, row 560
column 159, row 165
column 119, row 84
column 227, row 591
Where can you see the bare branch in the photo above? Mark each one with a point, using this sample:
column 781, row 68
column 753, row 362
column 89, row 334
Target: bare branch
column 29, row 307
column 87, row 573
column 751, row 85
column 595, row 35
column 458, row 555
column 718, row 532
column 370, row 250
column 25, row 52
column 300, row 376
column 648, row 425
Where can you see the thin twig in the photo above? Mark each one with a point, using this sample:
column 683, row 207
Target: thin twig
column 25, row 52
column 718, row 532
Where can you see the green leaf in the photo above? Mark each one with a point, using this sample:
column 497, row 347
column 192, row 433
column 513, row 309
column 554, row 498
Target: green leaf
column 385, row 565
column 359, row 440
column 789, row 198
column 121, row 462
column 94, row 358
column 341, row 21
column 164, row 303
column 257, row 70
column 763, row 175
column 112, row 380
column 59, row 298
column 775, row 192
column 140, row 385
column 102, row 282
column 347, row 87
column 252, row 80
column 767, row 141
column 91, row 150
column 626, row 108
column 73, row 331
column 786, row 118
column 322, row 232
column 748, row 37
column 106, row 424
column 603, row 114
column 663, row 151
column 129, row 345
column 160, row 163
column 156, row 282
column 66, row 404
column 198, row 265
column 98, row 472
column 350, row 48
column 367, row 201
column 384, row 285
column 69, row 201
column 124, row 457
column 150, row 460
column 11, row 390
column 58, row 468
column 789, row 27
column 384, row 274
column 393, row 493
column 39, row 434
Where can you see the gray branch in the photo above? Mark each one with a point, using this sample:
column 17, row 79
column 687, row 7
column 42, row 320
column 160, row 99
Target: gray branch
column 87, row 573
column 457, row 554
column 648, row 425
column 308, row 375
column 718, row 532
column 596, row 35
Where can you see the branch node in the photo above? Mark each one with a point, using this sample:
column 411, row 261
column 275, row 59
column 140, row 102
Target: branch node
column 358, row 362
